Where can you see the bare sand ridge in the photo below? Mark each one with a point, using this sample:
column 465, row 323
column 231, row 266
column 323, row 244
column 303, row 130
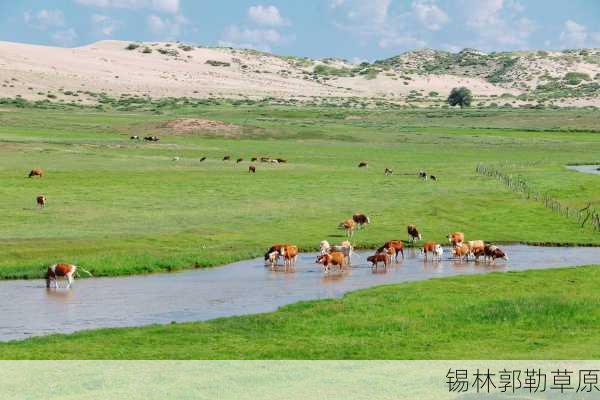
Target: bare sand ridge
column 174, row 70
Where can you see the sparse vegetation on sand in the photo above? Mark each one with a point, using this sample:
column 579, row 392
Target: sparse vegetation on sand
column 117, row 206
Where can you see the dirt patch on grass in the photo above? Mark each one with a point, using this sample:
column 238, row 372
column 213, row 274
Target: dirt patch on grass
column 191, row 126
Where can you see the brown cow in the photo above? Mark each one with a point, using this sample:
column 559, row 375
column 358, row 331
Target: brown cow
column 494, row 252
column 226, row 158
column 36, row 172
column 397, row 245
column 290, row 254
column 252, row 169
column 476, row 247
column 66, row 271
column 461, row 251
column 456, row 238
column 275, row 248
column 377, row 258
column 41, row 201
column 349, row 226
column 329, row 259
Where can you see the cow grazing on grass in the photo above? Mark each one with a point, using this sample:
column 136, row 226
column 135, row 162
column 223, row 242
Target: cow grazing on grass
column 423, row 175
column 41, row 201
column 377, row 258
column 349, row 226
column 239, row 160
column 281, row 160
column 493, row 252
column 135, row 137
column 363, row 164
column 433, row 178
column 413, row 233
column 456, row 238
column 36, row 172
column 254, row 159
column 151, row 138
column 252, row 169
column 226, row 158
column 435, row 249
column 331, row 259
column 202, row 159
column 397, row 245
column 66, row 271
column 361, row 220
column 388, row 172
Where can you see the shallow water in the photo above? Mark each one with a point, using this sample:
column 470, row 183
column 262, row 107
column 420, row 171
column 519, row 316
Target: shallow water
column 245, row 287
column 588, row 169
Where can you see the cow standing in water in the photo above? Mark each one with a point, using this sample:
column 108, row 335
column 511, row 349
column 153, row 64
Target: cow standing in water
column 66, row 271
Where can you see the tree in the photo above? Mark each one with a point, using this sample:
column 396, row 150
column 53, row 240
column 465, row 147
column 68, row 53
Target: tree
column 460, row 97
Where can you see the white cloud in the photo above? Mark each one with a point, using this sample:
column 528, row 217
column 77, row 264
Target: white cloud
column 266, row 15
column 260, row 39
column 104, row 24
column 65, row 38
column 577, row 35
column 166, row 28
column 163, row 6
column 45, row 19
column 430, row 15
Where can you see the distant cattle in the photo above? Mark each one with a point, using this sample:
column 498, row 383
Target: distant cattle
column 202, row 159
column 226, row 158
column 265, row 159
column 435, row 249
column 388, row 172
column 239, row 160
column 36, row 172
column 281, row 160
column 175, row 158
column 423, row 175
column 413, row 233
column 273, row 161
column 363, row 164
column 252, row 169
column 397, row 245
column 361, row 220
column 66, row 271
column 349, row 226
column 254, row 159
column 41, row 201
column 151, row 138
column 134, row 137
column 433, row 178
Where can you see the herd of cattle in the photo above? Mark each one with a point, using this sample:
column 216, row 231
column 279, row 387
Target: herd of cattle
column 339, row 256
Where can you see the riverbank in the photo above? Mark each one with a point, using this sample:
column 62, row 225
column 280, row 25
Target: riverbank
column 541, row 314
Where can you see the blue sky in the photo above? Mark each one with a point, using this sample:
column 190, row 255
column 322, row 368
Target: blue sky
column 351, row 29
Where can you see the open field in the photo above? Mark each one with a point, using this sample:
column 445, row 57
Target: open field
column 116, row 206
column 547, row 314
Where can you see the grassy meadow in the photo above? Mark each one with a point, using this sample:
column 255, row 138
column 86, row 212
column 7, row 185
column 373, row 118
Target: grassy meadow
column 117, row 206
column 538, row 314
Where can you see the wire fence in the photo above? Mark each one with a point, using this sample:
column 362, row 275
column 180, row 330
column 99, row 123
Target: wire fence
column 588, row 215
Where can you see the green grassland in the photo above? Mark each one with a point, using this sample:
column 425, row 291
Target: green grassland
column 551, row 314
column 117, row 206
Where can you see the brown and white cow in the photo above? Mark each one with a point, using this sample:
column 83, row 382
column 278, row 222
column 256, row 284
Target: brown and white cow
column 397, row 245
column 349, row 226
column 476, row 247
column 290, row 254
column 493, row 252
column 435, row 249
column 456, row 238
column 65, row 271
column 329, row 259
column 41, row 201
column 461, row 251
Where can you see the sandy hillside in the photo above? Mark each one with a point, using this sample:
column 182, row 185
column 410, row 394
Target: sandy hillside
column 175, row 70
